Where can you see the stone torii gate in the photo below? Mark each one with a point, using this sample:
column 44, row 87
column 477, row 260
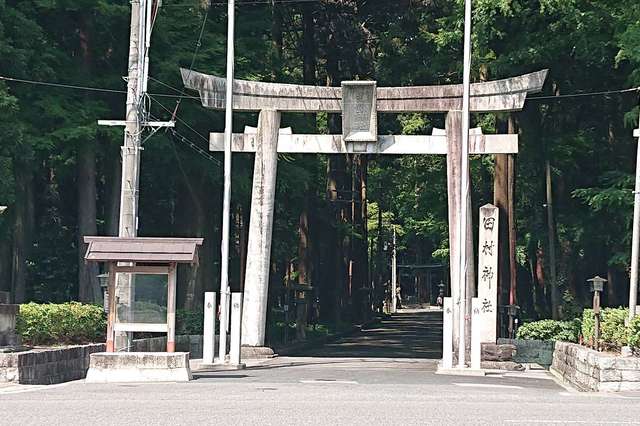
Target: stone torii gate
column 359, row 102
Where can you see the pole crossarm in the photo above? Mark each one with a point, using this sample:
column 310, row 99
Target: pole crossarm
column 499, row 95
column 387, row 144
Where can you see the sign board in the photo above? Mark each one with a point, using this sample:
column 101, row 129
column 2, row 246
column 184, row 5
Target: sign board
column 488, row 273
column 359, row 114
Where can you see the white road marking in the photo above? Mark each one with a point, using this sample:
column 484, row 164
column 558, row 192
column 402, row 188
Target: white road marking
column 612, row 422
column 29, row 388
column 487, row 385
column 333, row 382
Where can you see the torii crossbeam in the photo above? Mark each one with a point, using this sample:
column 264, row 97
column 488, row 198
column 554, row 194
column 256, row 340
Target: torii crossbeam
column 359, row 102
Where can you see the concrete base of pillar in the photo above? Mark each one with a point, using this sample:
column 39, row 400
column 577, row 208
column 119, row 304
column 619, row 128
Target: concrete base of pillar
column 218, row 366
column 257, row 352
column 122, row 367
column 459, row 371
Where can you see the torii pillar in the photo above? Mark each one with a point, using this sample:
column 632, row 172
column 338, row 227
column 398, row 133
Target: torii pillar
column 263, row 194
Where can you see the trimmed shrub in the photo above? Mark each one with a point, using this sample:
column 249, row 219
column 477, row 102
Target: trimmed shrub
column 190, row 322
column 566, row 331
column 57, row 324
column 634, row 333
column 613, row 331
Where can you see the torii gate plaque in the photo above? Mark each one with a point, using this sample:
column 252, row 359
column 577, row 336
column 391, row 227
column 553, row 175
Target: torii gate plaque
column 359, row 102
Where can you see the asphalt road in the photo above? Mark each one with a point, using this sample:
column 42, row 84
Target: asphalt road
column 328, row 389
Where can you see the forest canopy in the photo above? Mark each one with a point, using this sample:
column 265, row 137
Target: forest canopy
column 61, row 68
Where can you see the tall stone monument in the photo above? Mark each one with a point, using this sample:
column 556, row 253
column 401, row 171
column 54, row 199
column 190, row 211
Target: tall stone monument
column 488, row 272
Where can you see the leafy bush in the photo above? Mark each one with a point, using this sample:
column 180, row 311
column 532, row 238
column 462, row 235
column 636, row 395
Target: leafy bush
column 73, row 322
column 634, row 333
column 190, row 322
column 613, row 331
column 566, row 331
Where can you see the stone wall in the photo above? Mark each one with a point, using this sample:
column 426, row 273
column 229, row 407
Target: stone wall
column 531, row 351
column 47, row 366
column 595, row 371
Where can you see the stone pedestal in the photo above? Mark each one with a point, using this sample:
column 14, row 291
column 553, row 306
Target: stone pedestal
column 120, row 367
column 8, row 315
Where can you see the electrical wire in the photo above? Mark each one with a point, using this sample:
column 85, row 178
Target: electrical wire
column 193, row 61
column 251, row 2
column 180, row 120
column 184, row 96
column 577, row 95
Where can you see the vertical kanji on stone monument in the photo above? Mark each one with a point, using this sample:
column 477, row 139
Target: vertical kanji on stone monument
column 488, row 272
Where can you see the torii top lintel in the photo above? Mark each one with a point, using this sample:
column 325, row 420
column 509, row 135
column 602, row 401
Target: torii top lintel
column 499, row 95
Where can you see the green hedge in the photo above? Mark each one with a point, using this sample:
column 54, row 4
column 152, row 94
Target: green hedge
column 634, row 333
column 613, row 331
column 190, row 322
column 57, row 324
column 566, row 331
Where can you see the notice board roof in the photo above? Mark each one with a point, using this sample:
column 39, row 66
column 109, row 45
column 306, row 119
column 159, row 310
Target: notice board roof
column 142, row 249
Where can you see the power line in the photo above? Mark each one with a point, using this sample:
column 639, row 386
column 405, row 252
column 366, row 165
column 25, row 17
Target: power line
column 251, row 2
column 183, row 95
column 61, row 85
column 186, row 141
column 181, row 120
column 576, row 95
column 90, row 88
column 193, row 60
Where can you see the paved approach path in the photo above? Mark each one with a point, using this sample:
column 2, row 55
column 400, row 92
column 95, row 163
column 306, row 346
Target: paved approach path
column 357, row 380
column 408, row 334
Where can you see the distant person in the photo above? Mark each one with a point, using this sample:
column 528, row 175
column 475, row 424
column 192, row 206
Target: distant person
column 398, row 298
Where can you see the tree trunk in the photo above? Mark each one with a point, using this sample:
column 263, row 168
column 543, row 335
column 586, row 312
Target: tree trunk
column 24, row 222
column 308, row 45
column 551, row 234
column 88, row 285
column 113, row 197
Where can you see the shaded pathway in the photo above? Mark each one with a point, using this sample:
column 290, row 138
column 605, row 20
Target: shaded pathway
column 414, row 334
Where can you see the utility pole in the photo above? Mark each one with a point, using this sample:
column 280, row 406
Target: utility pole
column 635, row 242
column 142, row 16
column 394, row 275
column 226, row 202
column 464, row 176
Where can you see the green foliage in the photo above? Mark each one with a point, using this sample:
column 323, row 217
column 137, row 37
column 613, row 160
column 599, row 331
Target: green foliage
column 566, row 331
column 190, row 322
column 634, row 333
column 58, row 324
column 613, row 331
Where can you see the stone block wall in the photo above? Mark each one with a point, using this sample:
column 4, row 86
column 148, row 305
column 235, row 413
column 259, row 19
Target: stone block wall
column 531, row 351
column 590, row 370
column 47, row 366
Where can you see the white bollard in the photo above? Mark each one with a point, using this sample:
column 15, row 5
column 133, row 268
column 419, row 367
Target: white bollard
column 209, row 338
column 236, row 328
column 224, row 327
column 476, row 333
column 447, row 333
